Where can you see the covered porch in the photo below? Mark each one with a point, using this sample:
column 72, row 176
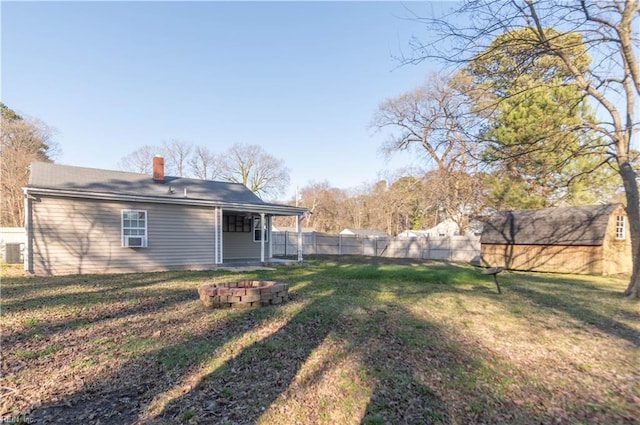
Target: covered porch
column 243, row 236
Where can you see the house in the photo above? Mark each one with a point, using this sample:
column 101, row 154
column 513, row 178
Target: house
column 85, row 220
column 365, row 233
column 447, row 227
column 590, row 239
column 414, row 234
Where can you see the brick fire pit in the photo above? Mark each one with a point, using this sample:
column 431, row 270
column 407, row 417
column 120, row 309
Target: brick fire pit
column 243, row 294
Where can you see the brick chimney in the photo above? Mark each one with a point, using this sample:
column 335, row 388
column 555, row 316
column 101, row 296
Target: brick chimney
column 158, row 169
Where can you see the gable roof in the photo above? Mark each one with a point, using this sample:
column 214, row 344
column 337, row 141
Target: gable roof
column 95, row 183
column 586, row 225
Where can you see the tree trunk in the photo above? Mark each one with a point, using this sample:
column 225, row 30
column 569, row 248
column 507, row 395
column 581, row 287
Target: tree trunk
column 633, row 212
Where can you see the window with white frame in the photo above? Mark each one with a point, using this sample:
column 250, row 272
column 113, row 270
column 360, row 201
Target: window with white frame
column 134, row 228
column 257, row 230
column 620, row 227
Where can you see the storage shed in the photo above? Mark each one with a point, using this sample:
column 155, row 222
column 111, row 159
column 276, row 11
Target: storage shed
column 591, row 239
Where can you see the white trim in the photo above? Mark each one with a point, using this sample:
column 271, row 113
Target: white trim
column 124, row 239
column 299, row 225
column 262, row 236
column 269, row 237
column 217, row 236
column 26, row 253
column 263, row 229
column 228, row 206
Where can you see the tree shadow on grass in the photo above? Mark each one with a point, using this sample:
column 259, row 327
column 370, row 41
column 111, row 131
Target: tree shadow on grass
column 574, row 304
column 25, row 293
column 87, row 307
column 348, row 349
column 117, row 319
column 120, row 395
column 289, row 364
column 348, row 357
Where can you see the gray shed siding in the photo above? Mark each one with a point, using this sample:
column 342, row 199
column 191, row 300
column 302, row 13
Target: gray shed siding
column 84, row 236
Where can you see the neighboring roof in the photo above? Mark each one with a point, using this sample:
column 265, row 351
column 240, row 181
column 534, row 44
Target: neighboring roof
column 413, row 233
column 363, row 232
column 448, row 227
column 97, row 183
column 585, row 225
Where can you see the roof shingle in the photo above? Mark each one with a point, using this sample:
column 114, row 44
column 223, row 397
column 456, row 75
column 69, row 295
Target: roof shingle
column 80, row 179
column 585, row 225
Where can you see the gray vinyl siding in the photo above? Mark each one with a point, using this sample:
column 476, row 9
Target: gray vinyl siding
column 240, row 246
column 84, row 236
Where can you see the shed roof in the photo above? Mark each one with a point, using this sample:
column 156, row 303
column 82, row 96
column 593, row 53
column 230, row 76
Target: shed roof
column 92, row 182
column 585, row 225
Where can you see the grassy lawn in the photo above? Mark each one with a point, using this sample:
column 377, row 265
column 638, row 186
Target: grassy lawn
column 362, row 341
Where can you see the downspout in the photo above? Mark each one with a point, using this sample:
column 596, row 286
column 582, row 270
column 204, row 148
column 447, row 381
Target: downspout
column 299, row 222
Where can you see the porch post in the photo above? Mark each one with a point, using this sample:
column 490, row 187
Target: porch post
column 217, row 236
column 270, row 237
column 262, row 235
column 299, row 226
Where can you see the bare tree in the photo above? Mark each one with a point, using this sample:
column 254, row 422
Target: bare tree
column 610, row 31
column 437, row 119
column 355, row 209
column 457, row 194
column 326, row 205
column 22, row 141
column 140, row 160
column 256, row 169
column 434, row 118
column 176, row 155
column 396, row 203
column 203, row 163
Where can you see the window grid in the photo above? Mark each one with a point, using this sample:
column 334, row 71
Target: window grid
column 234, row 223
column 134, row 223
column 620, row 227
column 257, row 230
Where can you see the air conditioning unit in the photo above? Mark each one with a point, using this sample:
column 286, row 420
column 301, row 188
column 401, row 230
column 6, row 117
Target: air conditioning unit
column 134, row 241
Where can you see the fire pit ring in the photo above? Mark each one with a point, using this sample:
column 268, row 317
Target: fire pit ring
column 243, row 294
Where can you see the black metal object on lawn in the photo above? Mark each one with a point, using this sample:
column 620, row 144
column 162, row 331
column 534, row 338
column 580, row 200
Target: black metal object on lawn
column 494, row 271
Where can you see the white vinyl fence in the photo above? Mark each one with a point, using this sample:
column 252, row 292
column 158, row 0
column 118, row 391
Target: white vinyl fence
column 12, row 244
column 448, row 248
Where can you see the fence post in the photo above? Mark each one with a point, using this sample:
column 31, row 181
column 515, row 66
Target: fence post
column 315, row 243
column 425, row 248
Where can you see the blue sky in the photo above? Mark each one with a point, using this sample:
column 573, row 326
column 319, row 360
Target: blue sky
column 300, row 79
